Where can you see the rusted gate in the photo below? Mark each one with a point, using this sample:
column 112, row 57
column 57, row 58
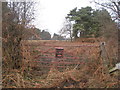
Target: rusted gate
column 42, row 57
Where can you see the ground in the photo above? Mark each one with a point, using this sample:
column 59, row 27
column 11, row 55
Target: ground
column 82, row 66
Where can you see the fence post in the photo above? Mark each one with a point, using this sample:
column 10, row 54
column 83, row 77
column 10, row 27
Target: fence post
column 105, row 60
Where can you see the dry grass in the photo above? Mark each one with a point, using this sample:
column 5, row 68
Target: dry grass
column 89, row 75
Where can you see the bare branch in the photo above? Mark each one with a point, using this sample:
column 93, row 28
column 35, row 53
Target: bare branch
column 112, row 5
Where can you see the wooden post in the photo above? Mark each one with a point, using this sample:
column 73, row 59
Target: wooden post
column 104, row 56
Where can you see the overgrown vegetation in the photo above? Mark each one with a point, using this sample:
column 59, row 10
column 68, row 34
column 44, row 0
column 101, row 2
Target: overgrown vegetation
column 85, row 25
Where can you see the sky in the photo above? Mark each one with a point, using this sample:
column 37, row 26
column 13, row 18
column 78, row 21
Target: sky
column 50, row 14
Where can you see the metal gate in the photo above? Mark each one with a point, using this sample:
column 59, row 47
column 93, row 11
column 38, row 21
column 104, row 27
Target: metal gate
column 42, row 57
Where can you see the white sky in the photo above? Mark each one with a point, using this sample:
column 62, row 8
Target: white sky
column 50, row 14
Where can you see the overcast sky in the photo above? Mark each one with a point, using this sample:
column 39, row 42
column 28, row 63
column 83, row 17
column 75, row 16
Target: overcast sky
column 50, row 14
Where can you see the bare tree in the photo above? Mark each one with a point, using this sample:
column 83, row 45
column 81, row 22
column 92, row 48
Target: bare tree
column 16, row 18
column 67, row 29
column 113, row 5
column 23, row 10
